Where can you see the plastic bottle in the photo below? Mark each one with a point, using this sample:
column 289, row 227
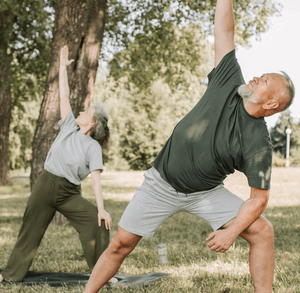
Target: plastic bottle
column 162, row 253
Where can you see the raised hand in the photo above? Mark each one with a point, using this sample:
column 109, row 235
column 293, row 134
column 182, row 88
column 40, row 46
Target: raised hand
column 64, row 56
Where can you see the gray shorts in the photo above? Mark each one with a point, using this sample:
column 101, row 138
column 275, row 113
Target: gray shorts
column 156, row 200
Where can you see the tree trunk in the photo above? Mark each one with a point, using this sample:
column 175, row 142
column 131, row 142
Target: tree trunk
column 5, row 96
column 79, row 24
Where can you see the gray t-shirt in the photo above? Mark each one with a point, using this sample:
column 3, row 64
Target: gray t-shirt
column 73, row 155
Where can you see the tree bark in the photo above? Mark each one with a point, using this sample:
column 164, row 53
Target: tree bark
column 79, row 24
column 5, row 96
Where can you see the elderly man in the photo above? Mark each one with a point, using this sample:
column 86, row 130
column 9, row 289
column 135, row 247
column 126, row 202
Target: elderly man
column 223, row 132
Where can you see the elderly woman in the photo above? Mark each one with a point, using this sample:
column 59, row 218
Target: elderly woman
column 75, row 153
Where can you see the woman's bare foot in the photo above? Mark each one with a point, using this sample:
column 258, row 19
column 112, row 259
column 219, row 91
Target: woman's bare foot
column 1, row 278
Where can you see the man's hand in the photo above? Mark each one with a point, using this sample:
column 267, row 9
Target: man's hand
column 102, row 214
column 221, row 240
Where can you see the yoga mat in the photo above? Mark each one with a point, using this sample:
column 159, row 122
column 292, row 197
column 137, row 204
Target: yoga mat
column 65, row 279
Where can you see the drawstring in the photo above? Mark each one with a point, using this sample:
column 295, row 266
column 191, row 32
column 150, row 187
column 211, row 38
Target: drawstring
column 186, row 195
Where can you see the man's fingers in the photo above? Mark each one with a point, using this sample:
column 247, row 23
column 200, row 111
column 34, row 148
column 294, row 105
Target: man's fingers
column 210, row 236
column 216, row 248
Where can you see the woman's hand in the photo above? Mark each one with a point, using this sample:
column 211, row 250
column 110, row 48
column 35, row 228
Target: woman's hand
column 64, row 56
column 102, row 214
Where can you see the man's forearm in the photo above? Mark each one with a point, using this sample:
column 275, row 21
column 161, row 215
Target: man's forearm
column 224, row 20
column 249, row 212
column 224, row 30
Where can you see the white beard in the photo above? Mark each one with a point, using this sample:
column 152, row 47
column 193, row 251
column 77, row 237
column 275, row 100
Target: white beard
column 246, row 94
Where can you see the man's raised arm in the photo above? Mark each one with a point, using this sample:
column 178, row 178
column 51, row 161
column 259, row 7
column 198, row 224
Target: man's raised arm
column 224, row 29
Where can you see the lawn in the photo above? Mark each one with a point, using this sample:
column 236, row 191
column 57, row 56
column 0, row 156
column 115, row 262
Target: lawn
column 191, row 266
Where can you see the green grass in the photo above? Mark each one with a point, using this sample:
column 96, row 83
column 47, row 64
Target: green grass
column 191, row 266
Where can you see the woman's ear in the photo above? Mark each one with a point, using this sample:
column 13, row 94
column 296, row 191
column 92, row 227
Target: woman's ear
column 92, row 126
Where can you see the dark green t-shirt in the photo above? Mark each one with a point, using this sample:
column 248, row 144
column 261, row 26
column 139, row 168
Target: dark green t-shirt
column 216, row 137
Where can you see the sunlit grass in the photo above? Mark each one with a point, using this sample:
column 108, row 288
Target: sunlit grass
column 191, row 266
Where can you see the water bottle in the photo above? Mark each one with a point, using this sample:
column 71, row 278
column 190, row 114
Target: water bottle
column 162, row 253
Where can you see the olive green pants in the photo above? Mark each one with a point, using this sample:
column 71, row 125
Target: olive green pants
column 51, row 193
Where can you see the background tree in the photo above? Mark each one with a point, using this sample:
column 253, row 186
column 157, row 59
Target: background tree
column 23, row 38
column 24, row 113
column 79, row 25
column 279, row 137
column 278, row 134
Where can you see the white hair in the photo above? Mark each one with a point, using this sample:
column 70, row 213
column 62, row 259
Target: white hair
column 101, row 131
column 246, row 94
column 290, row 89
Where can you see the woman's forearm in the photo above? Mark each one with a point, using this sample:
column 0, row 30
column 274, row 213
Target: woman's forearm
column 64, row 92
column 102, row 214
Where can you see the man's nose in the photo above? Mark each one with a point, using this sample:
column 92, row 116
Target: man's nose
column 256, row 79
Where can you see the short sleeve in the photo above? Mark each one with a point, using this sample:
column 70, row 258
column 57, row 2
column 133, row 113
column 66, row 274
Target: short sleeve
column 68, row 123
column 94, row 156
column 227, row 69
column 258, row 169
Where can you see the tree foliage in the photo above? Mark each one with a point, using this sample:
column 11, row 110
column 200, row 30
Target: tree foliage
column 146, row 33
column 24, row 48
column 22, row 126
column 28, row 33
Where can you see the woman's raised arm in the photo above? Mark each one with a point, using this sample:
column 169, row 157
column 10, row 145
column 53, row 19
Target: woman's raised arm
column 64, row 90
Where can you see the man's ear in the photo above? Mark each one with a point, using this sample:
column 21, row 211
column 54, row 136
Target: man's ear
column 271, row 104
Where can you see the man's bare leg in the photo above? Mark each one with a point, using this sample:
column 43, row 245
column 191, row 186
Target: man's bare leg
column 260, row 235
column 111, row 259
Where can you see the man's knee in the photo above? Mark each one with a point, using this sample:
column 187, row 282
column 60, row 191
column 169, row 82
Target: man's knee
column 261, row 230
column 123, row 242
